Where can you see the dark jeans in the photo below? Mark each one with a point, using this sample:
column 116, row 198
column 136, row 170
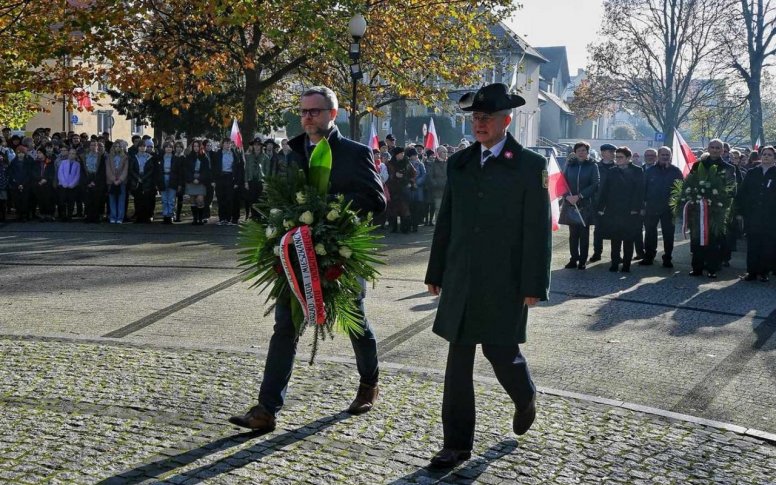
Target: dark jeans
column 667, row 227
column 225, row 192
column 458, row 413
column 282, row 349
column 627, row 252
column 760, row 253
column 579, row 242
column 67, row 202
column 708, row 257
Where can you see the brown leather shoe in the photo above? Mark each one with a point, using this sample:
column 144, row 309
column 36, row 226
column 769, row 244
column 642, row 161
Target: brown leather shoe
column 449, row 457
column 257, row 418
column 524, row 418
column 365, row 399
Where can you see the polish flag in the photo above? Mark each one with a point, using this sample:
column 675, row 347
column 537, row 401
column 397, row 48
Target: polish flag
column 235, row 135
column 374, row 142
column 431, row 141
column 757, row 145
column 682, row 156
column 557, row 186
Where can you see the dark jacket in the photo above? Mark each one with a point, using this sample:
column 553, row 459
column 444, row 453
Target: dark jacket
column 204, row 168
column 727, row 169
column 145, row 181
column 353, row 171
column 583, row 179
column 756, row 201
column 621, row 199
column 98, row 177
column 21, row 171
column 43, row 170
column 176, row 173
column 491, row 246
column 658, row 184
column 238, row 167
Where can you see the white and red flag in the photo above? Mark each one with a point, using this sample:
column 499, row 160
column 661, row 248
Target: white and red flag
column 432, row 141
column 557, row 186
column 682, row 156
column 374, row 142
column 235, row 135
column 757, row 145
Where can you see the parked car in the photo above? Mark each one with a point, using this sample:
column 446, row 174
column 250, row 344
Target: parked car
column 546, row 151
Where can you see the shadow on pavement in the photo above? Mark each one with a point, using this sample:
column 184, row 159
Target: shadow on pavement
column 466, row 474
column 227, row 463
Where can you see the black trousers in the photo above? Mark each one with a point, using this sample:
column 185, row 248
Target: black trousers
column 638, row 243
column 667, row 227
column 458, row 413
column 67, row 202
column 94, row 202
column 251, row 196
column 708, row 257
column 598, row 241
column 44, row 195
column 579, row 242
column 227, row 201
column 145, row 203
column 20, row 200
column 627, row 252
column 760, row 253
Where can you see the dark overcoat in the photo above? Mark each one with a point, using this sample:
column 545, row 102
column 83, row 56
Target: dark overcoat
column 621, row 194
column 757, row 201
column 492, row 245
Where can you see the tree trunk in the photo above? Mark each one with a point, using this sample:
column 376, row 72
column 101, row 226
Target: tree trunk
column 250, row 97
column 399, row 121
column 755, row 107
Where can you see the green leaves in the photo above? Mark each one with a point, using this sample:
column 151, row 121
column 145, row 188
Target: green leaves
column 320, row 167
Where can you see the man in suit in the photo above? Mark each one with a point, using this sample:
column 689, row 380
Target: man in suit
column 607, row 162
column 353, row 176
column 490, row 261
column 229, row 174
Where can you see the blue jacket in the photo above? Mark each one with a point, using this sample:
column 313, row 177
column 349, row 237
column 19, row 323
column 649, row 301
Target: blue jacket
column 21, row 171
column 658, row 184
column 418, row 193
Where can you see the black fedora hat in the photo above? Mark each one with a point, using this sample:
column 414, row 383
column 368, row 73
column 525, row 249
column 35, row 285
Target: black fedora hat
column 490, row 98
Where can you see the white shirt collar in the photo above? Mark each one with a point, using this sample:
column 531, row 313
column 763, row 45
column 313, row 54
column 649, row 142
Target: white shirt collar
column 495, row 150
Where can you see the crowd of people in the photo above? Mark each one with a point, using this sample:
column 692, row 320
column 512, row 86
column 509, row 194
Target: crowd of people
column 626, row 202
column 66, row 176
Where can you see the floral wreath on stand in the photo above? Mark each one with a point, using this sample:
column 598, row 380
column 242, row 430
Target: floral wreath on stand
column 312, row 250
column 703, row 201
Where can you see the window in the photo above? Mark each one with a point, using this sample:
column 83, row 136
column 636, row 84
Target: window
column 104, row 121
column 136, row 126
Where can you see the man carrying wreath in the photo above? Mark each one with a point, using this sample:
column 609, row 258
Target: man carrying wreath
column 354, row 177
column 490, row 261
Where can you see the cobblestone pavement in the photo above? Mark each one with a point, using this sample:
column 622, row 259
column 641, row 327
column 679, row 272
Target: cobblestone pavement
column 83, row 412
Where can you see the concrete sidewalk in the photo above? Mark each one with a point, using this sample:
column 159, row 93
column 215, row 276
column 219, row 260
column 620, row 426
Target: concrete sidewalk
column 99, row 411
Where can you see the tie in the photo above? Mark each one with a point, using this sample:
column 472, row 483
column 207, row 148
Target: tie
column 485, row 155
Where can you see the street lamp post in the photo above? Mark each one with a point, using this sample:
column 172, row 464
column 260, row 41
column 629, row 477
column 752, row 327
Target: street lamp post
column 356, row 27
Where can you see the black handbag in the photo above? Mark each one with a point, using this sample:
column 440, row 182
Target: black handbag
column 570, row 215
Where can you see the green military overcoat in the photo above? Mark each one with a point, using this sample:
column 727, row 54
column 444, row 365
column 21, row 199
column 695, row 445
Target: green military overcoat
column 492, row 245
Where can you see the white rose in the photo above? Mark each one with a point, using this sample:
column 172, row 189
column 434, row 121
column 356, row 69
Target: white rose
column 276, row 250
column 300, row 198
column 275, row 212
column 703, row 191
column 271, row 232
column 688, row 190
column 306, row 218
column 320, row 250
column 345, row 252
column 356, row 220
column 720, row 204
column 715, row 191
column 333, row 215
column 288, row 224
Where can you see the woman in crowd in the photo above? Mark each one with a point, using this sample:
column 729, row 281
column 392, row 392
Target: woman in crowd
column 253, row 176
column 417, row 189
column 5, row 182
column 620, row 203
column 116, row 173
column 93, row 170
column 142, row 178
column 179, row 164
column 197, row 178
column 69, row 178
column 167, row 181
column 401, row 177
column 44, row 180
column 756, row 200
column 582, row 177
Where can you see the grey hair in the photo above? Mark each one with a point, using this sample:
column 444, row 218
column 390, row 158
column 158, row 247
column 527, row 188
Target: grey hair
column 329, row 95
column 664, row 147
column 650, row 150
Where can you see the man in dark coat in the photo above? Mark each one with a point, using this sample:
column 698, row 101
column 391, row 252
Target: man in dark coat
column 490, row 261
column 142, row 181
column 757, row 202
column 710, row 256
column 353, row 176
column 229, row 174
column 659, row 182
column 607, row 161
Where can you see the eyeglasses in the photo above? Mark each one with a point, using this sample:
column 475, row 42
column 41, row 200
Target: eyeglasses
column 483, row 118
column 313, row 113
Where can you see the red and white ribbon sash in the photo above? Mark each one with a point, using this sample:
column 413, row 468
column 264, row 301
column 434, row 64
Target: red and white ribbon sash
column 309, row 293
column 703, row 222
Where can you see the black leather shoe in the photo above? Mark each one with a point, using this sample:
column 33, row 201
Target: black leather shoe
column 594, row 258
column 646, row 262
column 365, row 399
column 695, row 273
column 613, row 267
column 712, row 275
column 524, row 418
column 764, row 278
column 750, row 277
column 257, row 418
column 449, row 457
column 638, row 257
column 581, row 266
column 625, row 268
column 667, row 264
column 571, row 264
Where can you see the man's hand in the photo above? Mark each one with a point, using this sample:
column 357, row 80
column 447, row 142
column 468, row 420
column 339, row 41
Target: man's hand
column 572, row 199
column 530, row 300
column 434, row 290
